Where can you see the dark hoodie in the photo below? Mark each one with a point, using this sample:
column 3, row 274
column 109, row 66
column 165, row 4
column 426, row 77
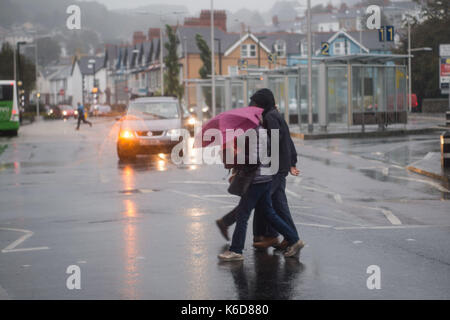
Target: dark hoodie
column 272, row 119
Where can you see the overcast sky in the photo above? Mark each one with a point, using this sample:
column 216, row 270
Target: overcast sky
column 197, row 5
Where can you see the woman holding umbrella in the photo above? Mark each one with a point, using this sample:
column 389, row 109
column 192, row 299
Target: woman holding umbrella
column 258, row 186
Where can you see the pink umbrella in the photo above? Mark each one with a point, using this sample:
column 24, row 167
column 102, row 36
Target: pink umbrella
column 242, row 118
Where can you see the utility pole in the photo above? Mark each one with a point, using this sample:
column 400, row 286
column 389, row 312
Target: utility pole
column 186, row 74
column 310, row 107
column 409, row 67
column 161, row 62
column 213, row 71
column 38, row 94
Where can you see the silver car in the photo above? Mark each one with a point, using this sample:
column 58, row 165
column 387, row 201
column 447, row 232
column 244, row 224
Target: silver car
column 149, row 126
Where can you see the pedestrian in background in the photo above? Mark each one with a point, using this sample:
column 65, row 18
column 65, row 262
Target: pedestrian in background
column 81, row 117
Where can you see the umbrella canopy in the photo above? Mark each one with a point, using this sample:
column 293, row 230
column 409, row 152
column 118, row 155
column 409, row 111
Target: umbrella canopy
column 242, row 118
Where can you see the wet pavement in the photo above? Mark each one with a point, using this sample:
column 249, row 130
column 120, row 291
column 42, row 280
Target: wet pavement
column 146, row 229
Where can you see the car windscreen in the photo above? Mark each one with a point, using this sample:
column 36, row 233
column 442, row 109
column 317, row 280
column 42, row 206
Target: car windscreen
column 154, row 110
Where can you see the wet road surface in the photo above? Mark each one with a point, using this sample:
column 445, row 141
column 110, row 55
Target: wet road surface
column 146, row 229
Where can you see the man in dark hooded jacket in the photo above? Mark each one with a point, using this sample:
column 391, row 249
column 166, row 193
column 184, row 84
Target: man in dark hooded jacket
column 264, row 235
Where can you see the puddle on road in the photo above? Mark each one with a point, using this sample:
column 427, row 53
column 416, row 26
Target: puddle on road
column 137, row 191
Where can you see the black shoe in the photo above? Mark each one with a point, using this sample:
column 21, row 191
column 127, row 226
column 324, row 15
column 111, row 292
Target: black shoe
column 223, row 229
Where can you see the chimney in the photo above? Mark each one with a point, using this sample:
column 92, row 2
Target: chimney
column 153, row 33
column 275, row 21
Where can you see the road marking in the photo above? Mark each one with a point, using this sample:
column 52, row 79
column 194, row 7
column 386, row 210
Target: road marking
column 12, row 246
column 327, row 218
column 219, row 196
column 387, row 213
column 197, row 196
column 295, row 195
column 410, row 239
column 390, row 227
column 357, row 242
column 433, row 184
column 200, row 182
column 391, row 217
column 313, row 225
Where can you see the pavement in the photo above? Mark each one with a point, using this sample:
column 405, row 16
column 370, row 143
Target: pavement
column 146, row 229
column 418, row 123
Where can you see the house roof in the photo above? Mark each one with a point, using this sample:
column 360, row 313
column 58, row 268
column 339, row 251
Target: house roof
column 226, row 39
column 370, row 39
column 83, row 62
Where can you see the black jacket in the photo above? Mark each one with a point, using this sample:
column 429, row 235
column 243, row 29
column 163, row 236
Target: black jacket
column 288, row 155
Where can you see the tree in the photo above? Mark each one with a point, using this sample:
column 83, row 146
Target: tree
column 205, row 70
column 172, row 86
column 25, row 68
column 431, row 31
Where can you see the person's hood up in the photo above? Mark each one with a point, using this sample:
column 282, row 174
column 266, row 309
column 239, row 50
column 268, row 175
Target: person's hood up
column 263, row 98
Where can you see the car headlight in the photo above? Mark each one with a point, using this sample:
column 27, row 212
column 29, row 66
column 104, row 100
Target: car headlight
column 174, row 133
column 126, row 134
column 205, row 109
column 64, row 113
column 191, row 121
column 76, row 112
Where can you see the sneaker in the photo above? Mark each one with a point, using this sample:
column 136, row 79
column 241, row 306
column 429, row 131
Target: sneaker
column 223, row 229
column 266, row 243
column 230, row 256
column 294, row 250
column 282, row 246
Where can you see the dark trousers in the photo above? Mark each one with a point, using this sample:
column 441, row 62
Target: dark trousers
column 259, row 194
column 81, row 118
column 261, row 227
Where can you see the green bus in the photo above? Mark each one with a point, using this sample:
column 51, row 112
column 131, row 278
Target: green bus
column 9, row 109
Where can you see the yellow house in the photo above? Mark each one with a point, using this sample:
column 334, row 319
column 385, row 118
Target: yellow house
column 235, row 54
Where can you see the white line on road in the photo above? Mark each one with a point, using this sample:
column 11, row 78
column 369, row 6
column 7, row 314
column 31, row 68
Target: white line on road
column 433, row 184
column 12, row 246
column 200, row 182
column 197, row 196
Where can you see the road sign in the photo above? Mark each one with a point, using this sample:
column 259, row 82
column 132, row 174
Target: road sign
column 272, row 58
column 325, row 49
column 389, row 33
column 243, row 63
column 386, row 34
column 444, row 50
column 444, row 74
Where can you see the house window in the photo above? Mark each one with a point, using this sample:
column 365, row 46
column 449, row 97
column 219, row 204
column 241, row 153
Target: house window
column 280, row 48
column 248, row 51
column 304, row 48
column 339, row 48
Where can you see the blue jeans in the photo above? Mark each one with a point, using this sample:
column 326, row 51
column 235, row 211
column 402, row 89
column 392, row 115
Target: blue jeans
column 262, row 227
column 259, row 193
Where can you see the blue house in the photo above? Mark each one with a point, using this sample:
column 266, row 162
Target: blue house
column 343, row 43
